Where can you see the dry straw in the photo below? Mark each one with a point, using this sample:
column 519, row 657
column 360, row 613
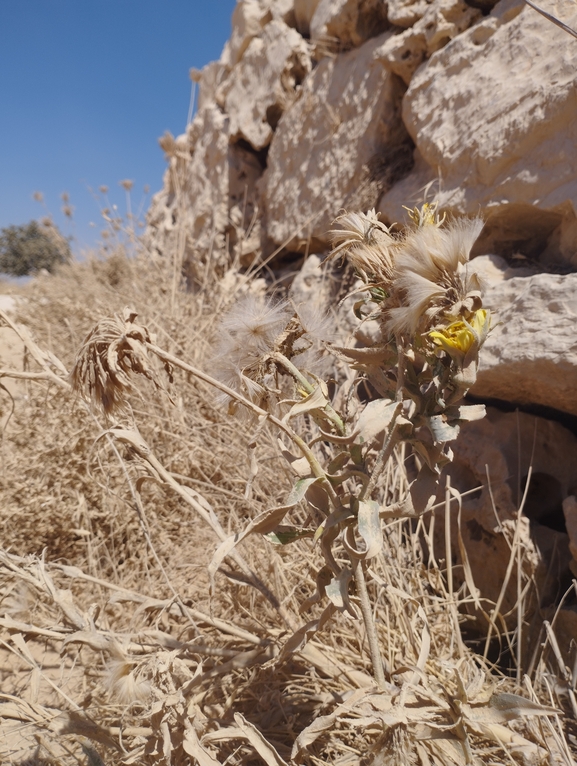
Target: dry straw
column 217, row 597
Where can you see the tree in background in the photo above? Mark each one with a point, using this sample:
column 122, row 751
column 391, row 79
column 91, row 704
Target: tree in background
column 31, row 247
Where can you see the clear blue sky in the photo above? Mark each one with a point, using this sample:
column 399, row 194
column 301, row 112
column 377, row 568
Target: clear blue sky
column 86, row 89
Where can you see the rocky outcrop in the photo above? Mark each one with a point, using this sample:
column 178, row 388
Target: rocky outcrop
column 319, row 105
column 530, row 356
column 493, row 118
column 497, row 455
column 342, row 24
column 266, row 83
column 328, row 149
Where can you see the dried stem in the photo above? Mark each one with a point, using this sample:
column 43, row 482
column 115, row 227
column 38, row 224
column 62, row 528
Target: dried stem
column 367, row 612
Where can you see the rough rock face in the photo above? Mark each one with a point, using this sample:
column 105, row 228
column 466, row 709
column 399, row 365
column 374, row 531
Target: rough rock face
column 511, row 443
column 346, row 118
column 493, row 118
column 347, row 23
column 530, row 356
column 319, row 105
column 211, row 184
column 272, row 68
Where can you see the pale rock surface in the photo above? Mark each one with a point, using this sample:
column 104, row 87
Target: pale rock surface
column 511, row 443
column 493, row 117
column 405, row 13
column 248, row 20
column 440, row 22
column 266, row 82
column 211, row 80
column 570, row 512
column 347, row 116
column 209, row 191
column 530, row 356
column 492, row 269
column 348, row 23
column 304, row 11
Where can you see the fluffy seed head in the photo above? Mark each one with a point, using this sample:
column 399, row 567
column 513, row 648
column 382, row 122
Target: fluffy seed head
column 431, row 277
column 111, row 352
column 368, row 245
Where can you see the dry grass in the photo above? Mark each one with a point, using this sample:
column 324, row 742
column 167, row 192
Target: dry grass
column 117, row 649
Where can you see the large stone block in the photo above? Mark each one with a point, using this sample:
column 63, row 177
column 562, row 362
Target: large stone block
column 530, row 356
column 333, row 147
column 203, row 197
column 439, row 22
column 493, row 117
column 348, row 23
column 265, row 83
column 496, row 454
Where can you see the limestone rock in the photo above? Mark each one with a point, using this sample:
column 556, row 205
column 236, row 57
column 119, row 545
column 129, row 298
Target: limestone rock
column 509, row 444
column 348, row 23
column 404, row 13
column 304, row 11
column 266, row 82
column 248, row 19
column 211, row 80
column 331, row 145
column 440, row 22
column 530, row 356
column 570, row 512
column 217, row 180
column 493, row 115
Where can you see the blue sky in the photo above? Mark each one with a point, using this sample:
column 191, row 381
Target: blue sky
column 86, row 89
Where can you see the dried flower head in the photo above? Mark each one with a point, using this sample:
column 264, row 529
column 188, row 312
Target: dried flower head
column 111, row 352
column 255, row 322
column 38, row 197
column 124, row 684
column 368, row 245
column 248, row 334
column 126, row 184
column 432, row 282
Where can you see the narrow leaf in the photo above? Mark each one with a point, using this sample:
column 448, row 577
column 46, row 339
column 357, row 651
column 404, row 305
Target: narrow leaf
column 264, row 748
column 314, row 401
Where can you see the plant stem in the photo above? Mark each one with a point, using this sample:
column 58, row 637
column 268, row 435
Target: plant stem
column 367, row 613
column 385, row 452
column 330, row 412
column 300, row 443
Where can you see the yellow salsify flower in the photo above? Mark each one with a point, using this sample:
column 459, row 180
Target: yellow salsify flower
column 425, row 215
column 458, row 337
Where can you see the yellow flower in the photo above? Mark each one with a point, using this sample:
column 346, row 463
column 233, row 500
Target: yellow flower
column 426, row 215
column 458, row 337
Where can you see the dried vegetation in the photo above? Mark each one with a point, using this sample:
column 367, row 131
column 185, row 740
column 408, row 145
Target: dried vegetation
column 121, row 644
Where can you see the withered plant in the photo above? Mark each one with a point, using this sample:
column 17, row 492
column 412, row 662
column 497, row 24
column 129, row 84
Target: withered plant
column 322, row 625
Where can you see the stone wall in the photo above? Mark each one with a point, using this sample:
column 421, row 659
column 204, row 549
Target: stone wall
column 319, row 105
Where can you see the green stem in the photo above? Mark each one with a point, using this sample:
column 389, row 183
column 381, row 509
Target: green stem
column 300, row 443
column 330, row 412
column 385, row 453
column 367, row 613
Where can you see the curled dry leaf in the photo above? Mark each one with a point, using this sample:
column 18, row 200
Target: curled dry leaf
column 113, row 351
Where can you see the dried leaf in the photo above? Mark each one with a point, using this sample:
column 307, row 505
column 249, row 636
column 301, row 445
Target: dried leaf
column 314, row 401
column 266, row 751
column 338, row 591
column 375, row 420
column 441, row 430
column 264, row 523
column 192, row 746
column 303, row 634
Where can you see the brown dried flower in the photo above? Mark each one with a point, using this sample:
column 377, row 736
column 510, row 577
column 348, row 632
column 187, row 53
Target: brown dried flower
column 112, row 351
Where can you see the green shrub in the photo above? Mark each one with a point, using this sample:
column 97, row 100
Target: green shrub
column 31, row 247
